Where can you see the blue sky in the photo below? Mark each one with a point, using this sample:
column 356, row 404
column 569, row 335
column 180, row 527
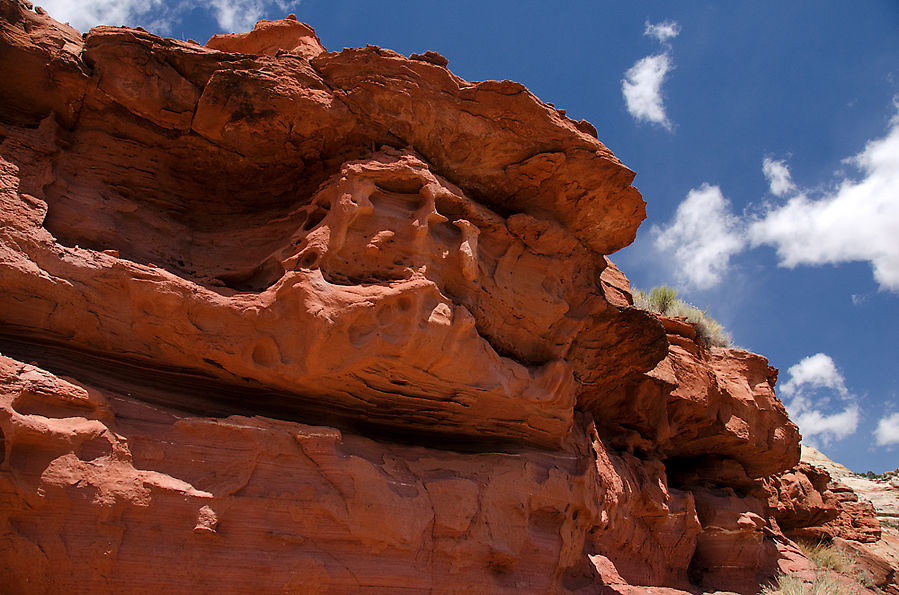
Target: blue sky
column 765, row 137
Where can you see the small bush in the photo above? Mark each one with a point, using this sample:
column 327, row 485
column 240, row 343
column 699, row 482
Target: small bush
column 824, row 584
column 663, row 300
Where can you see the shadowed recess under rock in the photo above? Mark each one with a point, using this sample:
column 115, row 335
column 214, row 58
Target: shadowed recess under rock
column 185, row 392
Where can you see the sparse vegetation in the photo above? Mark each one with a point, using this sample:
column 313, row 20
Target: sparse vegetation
column 824, row 584
column 828, row 558
column 881, row 477
column 659, row 299
column 825, row 555
column 663, row 300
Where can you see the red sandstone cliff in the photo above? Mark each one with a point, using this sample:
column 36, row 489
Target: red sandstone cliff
column 283, row 319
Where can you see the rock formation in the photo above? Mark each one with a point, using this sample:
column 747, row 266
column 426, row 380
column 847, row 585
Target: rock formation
column 881, row 492
column 278, row 317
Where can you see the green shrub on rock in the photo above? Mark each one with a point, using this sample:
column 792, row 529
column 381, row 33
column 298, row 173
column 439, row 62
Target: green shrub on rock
column 663, row 300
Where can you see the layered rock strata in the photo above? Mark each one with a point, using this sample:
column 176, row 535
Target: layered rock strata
column 811, row 507
column 344, row 322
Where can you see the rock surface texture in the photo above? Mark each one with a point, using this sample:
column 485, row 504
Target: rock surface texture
column 275, row 318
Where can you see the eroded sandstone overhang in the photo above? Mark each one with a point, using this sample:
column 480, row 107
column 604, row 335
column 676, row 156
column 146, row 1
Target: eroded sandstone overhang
column 369, row 236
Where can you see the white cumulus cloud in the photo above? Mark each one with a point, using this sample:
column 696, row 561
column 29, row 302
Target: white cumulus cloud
column 819, row 428
column 778, row 176
column 664, row 31
column 162, row 16
column 701, row 238
column 642, row 89
column 642, row 83
column 814, row 371
column 857, row 221
column 820, row 403
column 887, row 431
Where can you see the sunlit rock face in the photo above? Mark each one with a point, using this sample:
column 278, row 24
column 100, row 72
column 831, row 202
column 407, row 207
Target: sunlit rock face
column 344, row 322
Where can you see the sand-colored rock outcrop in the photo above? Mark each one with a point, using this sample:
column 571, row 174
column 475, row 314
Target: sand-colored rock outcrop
column 814, row 507
column 272, row 315
column 881, row 492
column 811, row 506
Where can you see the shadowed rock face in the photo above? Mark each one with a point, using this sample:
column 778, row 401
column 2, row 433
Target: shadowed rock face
column 344, row 321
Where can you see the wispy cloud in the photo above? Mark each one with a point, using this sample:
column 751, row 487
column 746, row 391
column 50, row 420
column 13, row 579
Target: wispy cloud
column 642, row 85
column 237, row 16
column 778, row 176
column 820, row 404
column 161, row 16
column 664, row 31
column 887, row 432
column 84, row 14
column 701, row 238
column 858, row 221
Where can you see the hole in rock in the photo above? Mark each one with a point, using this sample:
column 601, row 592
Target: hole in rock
column 48, row 405
column 256, row 279
column 710, row 472
column 95, row 448
column 309, row 260
column 265, row 353
column 501, row 562
column 447, row 233
column 365, row 277
column 400, row 184
column 449, row 208
column 396, row 205
column 314, row 218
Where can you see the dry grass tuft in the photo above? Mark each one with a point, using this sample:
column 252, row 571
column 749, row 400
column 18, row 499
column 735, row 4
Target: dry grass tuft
column 828, row 559
column 824, row 555
column 824, row 584
column 663, row 300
